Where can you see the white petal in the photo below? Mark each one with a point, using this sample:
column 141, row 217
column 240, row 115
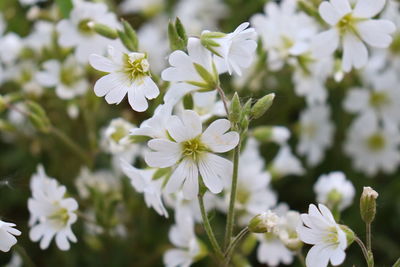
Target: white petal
column 105, row 84
column 368, row 8
column 185, row 127
column 116, row 95
column 216, row 138
column 329, row 13
column 326, row 213
column 355, row 53
column 167, row 154
column 316, row 257
column 62, row 241
column 342, row 6
column 191, row 184
column 325, row 43
column 338, row 257
column 214, row 170
column 137, row 99
column 102, row 63
column 137, row 180
column 376, row 32
column 151, row 89
column 177, row 178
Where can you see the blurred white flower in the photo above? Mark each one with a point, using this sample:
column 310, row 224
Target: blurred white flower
column 129, row 73
column 285, row 163
column 15, row 261
column 192, row 151
column 7, row 235
column 115, row 137
column 373, row 147
column 236, row 48
column 352, row 28
column 11, row 45
column 67, row 77
column 286, row 230
column 285, row 32
column 148, row 7
column 328, row 239
column 198, row 15
column 316, row 133
column 382, row 97
column 334, row 190
column 40, row 36
column 76, row 31
column 52, row 215
column 101, row 181
column 143, row 182
column 182, row 236
column 272, row 251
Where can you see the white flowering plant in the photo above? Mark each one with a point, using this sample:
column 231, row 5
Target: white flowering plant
column 199, row 133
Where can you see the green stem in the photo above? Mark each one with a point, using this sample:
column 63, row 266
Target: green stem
column 209, row 231
column 368, row 236
column 71, row 144
column 25, row 257
column 231, row 212
column 223, row 98
column 397, row 263
column 365, row 252
column 234, row 243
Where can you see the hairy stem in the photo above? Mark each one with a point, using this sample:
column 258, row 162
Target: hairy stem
column 365, row 252
column 231, row 211
column 234, row 243
column 209, row 231
column 300, row 256
column 368, row 236
column 223, row 98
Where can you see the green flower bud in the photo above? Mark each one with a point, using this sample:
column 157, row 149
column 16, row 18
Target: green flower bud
column 264, row 223
column 38, row 117
column 128, row 37
column 368, row 204
column 104, row 30
column 177, row 35
column 262, row 105
column 235, row 109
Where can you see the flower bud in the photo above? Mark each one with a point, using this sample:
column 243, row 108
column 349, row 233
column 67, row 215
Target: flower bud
column 38, row 117
column 103, row 30
column 368, row 204
column 235, row 109
column 264, row 223
column 262, row 105
column 177, row 35
column 128, row 37
column 263, row 133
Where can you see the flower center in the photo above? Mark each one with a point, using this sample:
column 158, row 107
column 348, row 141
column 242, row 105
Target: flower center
column 242, row 195
column 136, row 65
column 376, row 142
column 118, row 134
column 346, row 24
column 60, row 217
column 378, row 99
column 84, row 28
column 68, row 76
column 193, row 148
column 332, row 236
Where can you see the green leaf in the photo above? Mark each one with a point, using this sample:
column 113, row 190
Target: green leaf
column 131, row 35
column 65, row 7
column 205, row 75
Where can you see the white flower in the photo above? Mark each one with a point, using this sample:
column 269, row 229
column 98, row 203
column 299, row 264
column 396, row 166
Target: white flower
column 67, row 77
column 373, row 147
column 328, row 239
column 285, row 32
column 352, row 27
column 156, row 126
column 192, row 152
column 285, row 163
column 11, row 45
column 196, row 68
column 15, row 261
column 7, row 235
column 382, row 97
column 142, row 181
column 236, row 48
column 334, row 190
column 279, row 134
column 76, row 31
column 102, row 181
column 115, row 137
column 197, row 15
column 52, row 215
column 316, row 133
column 41, row 36
column 286, row 230
column 128, row 74
column 272, row 251
column 183, row 237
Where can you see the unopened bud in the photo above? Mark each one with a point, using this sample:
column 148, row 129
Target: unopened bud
column 177, row 35
column 128, row 37
column 368, row 204
column 235, row 109
column 103, row 30
column 38, row 117
column 264, row 223
column 262, row 105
